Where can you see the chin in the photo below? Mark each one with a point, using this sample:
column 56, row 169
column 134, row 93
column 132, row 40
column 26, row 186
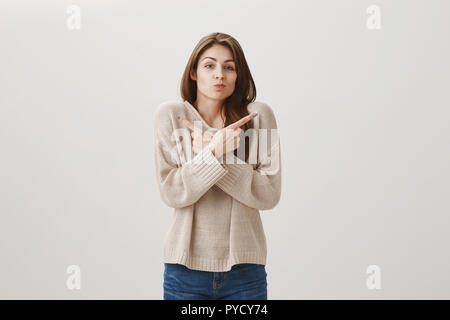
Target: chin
column 219, row 96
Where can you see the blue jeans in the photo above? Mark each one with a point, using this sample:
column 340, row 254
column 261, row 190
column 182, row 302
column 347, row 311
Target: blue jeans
column 246, row 281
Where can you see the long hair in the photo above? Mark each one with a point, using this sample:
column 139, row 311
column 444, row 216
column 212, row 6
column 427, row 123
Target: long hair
column 244, row 91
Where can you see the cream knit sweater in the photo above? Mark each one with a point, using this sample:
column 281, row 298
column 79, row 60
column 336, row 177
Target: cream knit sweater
column 216, row 201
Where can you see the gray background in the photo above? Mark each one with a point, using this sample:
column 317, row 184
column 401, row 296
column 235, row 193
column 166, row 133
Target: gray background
column 363, row 117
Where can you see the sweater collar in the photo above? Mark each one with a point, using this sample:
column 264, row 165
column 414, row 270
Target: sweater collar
column 197, row 114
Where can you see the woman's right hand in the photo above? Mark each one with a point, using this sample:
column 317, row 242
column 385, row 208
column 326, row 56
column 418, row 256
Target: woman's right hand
column 227, row 139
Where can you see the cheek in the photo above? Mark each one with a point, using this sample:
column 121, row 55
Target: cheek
column 202, row 76
column 232, row 80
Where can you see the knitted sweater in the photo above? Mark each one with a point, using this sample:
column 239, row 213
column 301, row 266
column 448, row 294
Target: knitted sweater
column 216, row 220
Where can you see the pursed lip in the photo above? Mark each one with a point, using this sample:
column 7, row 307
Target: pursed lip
column 221, row 85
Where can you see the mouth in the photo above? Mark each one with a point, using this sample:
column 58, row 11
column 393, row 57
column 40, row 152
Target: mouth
column 219, row 86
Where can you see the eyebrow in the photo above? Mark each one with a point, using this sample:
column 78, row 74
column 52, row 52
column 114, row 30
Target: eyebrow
column 216, row 60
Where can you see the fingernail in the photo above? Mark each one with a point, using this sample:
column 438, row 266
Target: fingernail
column 255, row 114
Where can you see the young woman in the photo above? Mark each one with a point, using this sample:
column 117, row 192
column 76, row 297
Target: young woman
column 216, row 183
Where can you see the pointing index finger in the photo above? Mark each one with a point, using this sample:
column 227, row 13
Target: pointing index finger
column 197, row 130
column 186, row 122
column 242, row 121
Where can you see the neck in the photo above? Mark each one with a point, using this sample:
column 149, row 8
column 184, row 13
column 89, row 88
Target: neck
column 209, row 109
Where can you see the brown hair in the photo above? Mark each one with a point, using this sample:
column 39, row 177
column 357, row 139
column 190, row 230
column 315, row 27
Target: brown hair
column 244, row 91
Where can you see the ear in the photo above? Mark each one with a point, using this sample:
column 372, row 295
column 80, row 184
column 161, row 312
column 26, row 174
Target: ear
column 193, row 74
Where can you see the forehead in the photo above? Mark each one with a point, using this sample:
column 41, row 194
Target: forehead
column 218, row 52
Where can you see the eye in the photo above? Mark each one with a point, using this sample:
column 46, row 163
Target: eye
column 208, row 65
column 231, row 68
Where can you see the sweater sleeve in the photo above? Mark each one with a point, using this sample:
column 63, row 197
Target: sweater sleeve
column 258, row 188
column 182, row 184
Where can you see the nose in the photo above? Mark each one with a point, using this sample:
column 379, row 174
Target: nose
column 219, row 75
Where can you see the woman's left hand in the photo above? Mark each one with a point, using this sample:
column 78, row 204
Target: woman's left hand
column 200, row 139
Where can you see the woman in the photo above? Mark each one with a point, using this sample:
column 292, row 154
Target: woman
column 216, row 246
